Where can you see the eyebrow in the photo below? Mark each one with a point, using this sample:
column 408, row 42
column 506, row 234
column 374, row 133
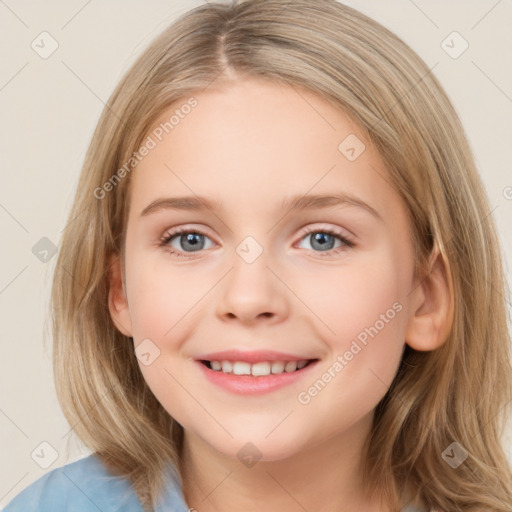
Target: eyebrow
column 294, row 203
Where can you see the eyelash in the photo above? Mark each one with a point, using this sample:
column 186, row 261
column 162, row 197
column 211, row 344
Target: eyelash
column 347, row 242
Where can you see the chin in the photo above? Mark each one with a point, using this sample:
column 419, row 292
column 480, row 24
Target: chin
column 250, row 448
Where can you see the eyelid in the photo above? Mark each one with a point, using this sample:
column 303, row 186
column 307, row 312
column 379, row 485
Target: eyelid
column 309, row 228
column 186, row 228
column 314, row 227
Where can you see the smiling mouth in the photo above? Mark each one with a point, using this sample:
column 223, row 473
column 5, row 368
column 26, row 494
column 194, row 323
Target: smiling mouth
column 258, row 369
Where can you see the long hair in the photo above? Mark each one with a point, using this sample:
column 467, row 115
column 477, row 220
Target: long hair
column 458, row 393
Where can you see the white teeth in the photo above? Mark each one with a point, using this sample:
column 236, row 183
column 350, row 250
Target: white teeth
column 240, row 368
column 291, row 366
column 260, row 369
column 227, row 367
column 278, row 367
column 257, row 369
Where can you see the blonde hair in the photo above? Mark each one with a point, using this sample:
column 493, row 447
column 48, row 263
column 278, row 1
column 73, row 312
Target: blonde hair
column 457, row 393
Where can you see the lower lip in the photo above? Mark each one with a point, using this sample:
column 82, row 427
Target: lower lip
column 250, row 385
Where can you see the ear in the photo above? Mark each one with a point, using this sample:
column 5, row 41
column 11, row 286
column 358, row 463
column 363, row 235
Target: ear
column 117, row 300
column 432, row 306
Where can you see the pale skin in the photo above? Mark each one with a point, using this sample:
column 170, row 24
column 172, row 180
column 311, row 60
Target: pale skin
column 249, row 145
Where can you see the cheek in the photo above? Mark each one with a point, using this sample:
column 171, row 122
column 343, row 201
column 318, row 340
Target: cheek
column 162, row 299
column 161, row 311
column 349, row 298
column 362, row 309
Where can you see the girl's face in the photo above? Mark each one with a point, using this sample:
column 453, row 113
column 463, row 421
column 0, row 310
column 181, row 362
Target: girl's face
column 327, row 280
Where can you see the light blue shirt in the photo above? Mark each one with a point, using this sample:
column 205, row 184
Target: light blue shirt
column 87, row 486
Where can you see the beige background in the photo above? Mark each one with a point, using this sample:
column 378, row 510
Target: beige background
column 50, row 108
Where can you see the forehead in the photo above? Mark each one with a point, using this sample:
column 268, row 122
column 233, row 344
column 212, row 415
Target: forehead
column 252, row 142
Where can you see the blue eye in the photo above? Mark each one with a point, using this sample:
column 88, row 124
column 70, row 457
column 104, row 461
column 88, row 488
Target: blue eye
column 190, row 241
column 323, row 240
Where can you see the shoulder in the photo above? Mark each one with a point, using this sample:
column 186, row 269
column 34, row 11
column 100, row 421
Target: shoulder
column 85, row 485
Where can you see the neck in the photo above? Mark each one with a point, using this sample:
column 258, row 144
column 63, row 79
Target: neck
column 323, row 477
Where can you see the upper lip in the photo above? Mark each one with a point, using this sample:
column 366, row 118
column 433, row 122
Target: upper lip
column 252, row 356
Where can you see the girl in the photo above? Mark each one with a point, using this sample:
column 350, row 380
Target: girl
column 334, row 337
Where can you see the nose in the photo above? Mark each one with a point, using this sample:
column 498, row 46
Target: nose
column 253, row 292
